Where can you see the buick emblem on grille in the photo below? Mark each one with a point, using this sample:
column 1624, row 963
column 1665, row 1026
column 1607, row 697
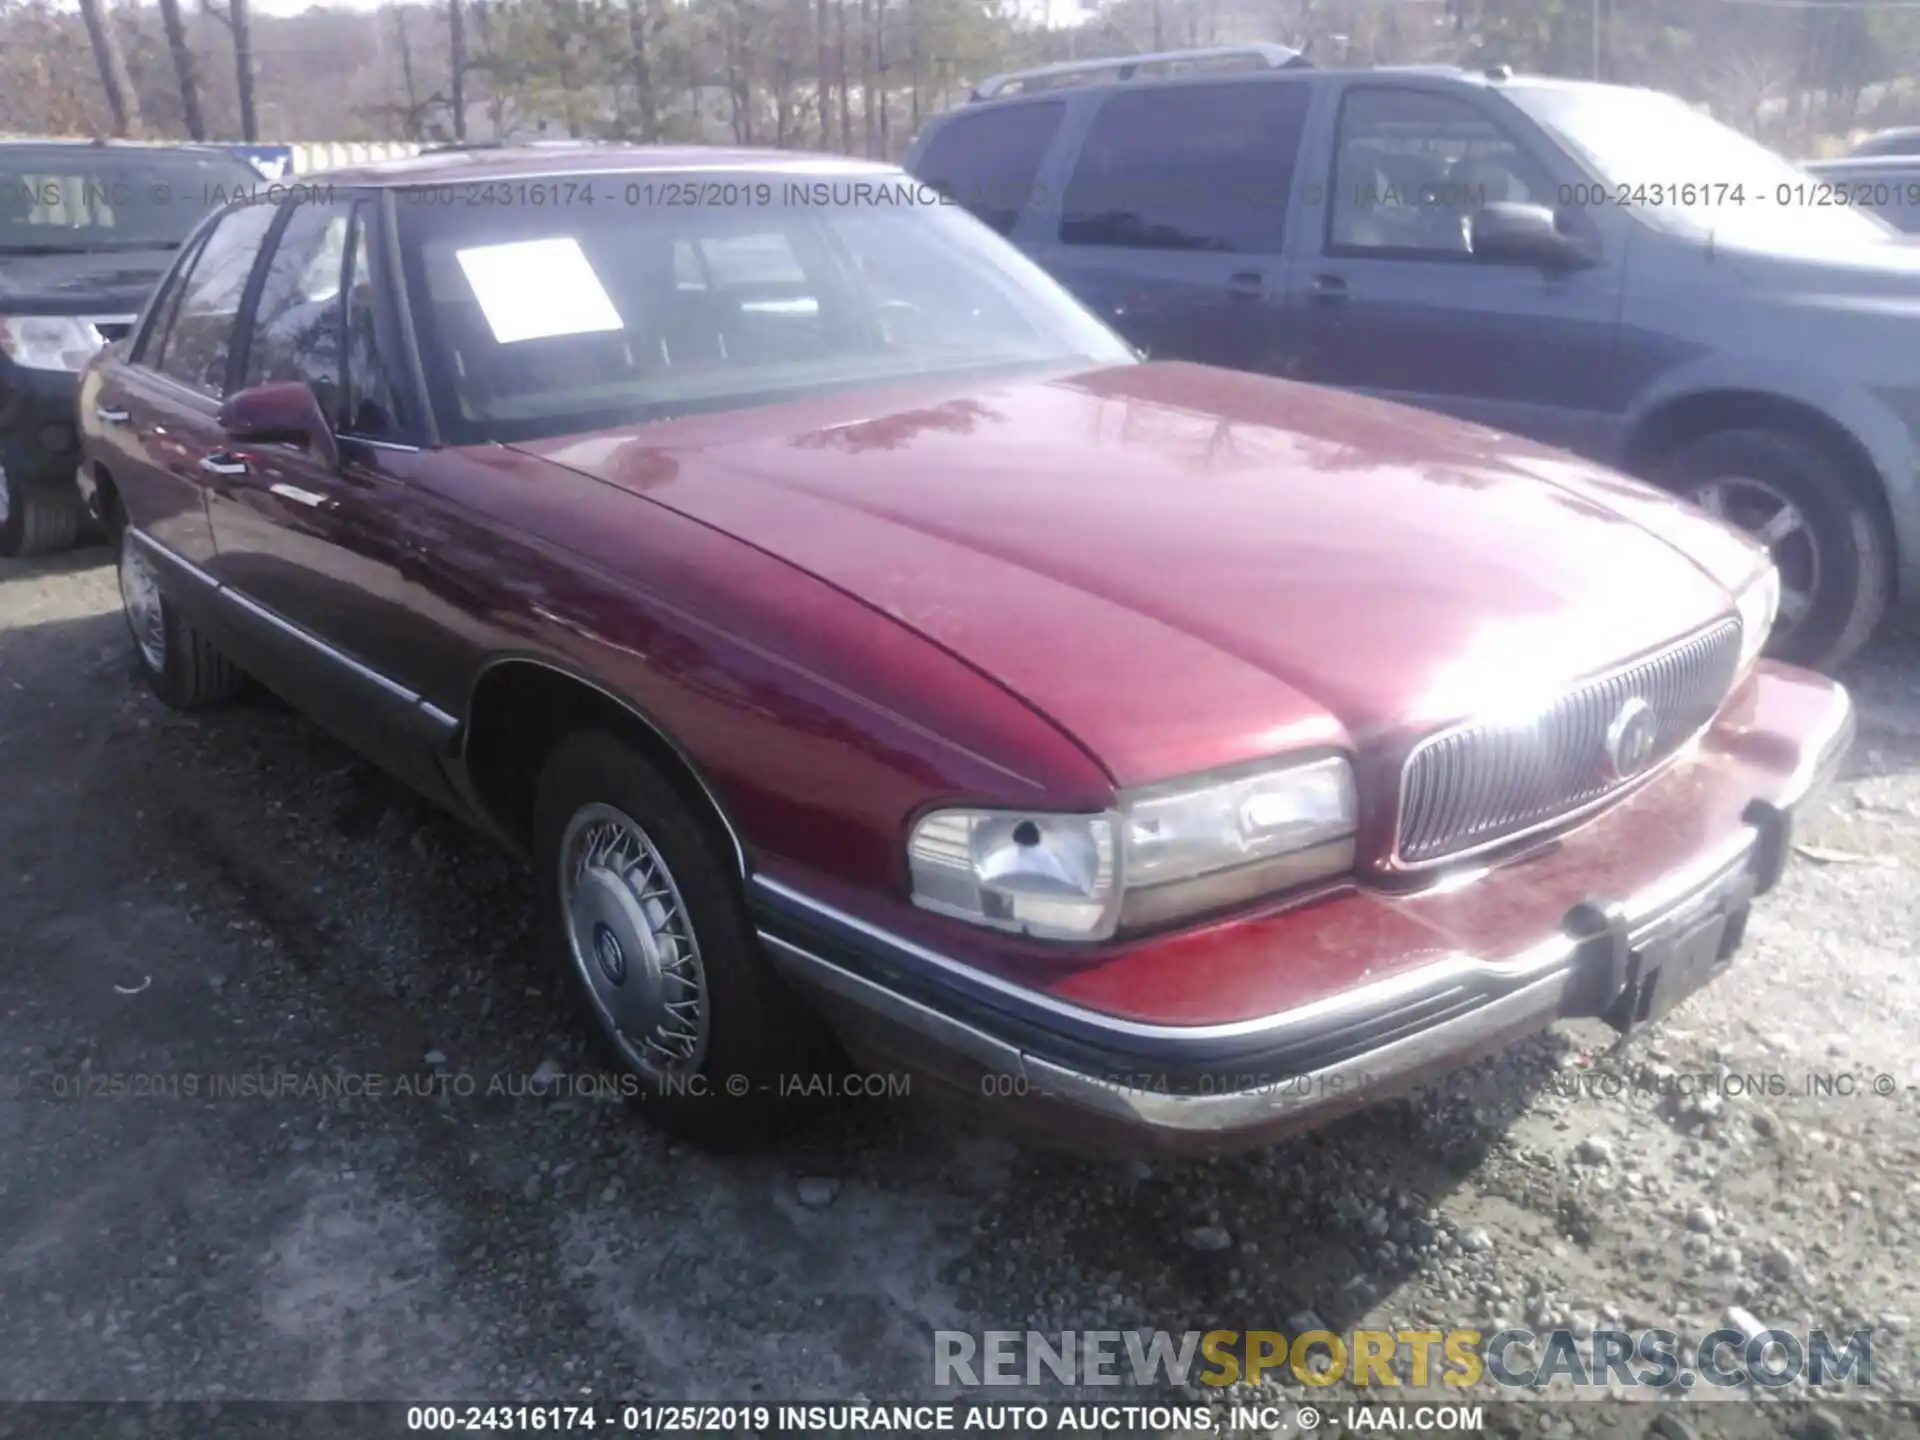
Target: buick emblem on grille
column 1631, row 738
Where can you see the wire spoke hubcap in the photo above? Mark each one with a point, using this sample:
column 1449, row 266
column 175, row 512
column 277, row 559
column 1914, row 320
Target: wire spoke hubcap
column 140, row 594
column 632, row 941
column 1777, row 523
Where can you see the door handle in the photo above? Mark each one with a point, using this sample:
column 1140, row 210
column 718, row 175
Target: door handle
column 110, row 415
column 312, row 499
column 1247, row 282
column 221, row 463
column 1329, row 289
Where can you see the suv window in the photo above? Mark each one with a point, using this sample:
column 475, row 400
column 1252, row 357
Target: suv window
column 199, row 337
column 1411, row 167
column 373, row 407
column 297, row 318
column 988, row 160
column 147, row 342
column 1196, row 167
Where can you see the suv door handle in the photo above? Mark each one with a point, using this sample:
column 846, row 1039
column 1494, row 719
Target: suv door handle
column 1329, row 289
column 1247, row 282
column 109, row 415
column 221, row 463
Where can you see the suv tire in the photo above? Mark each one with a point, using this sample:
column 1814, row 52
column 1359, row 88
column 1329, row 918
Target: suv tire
column 1827, row 537
column 36, row 519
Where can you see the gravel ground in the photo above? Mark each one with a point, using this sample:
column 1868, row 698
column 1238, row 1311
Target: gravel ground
column 183, row 899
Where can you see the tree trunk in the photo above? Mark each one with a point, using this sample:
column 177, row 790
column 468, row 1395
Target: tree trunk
column 121, row 99
column 242, row 27
column 824, row 90
column 880, row 66
column 406, row 71
column 496, row 102
column 913, row 64
column 183, row 69
column 457, row 63
column 639, row 27
column 867, row 117
column 846, row 104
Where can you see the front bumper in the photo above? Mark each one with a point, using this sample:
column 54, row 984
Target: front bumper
column 1433, row 979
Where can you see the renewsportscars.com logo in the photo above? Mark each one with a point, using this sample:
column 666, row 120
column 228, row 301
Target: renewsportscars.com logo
column 1507, row 1360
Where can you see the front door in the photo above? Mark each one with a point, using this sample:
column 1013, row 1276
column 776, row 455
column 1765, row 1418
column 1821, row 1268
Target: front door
column 1395, row 304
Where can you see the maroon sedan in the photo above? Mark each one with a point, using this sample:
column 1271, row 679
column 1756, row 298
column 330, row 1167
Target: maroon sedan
column 849, row 628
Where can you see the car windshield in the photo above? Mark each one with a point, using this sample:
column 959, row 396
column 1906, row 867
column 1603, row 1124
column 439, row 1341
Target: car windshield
column 74, row 198
column 1686, row 170
column 587, row 302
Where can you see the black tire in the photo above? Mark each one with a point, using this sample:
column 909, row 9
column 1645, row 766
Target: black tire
column 41, row 519
column 756, row 1031
column 1851, row 578
column 191, row 673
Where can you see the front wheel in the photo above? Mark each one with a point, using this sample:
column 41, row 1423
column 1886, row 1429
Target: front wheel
column 640, row 908
column 1825, row 536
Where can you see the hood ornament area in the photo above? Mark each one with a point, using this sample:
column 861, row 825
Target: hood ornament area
column 1631, row 739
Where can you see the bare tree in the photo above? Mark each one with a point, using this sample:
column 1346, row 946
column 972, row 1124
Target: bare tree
column 183, row 69
column 121, row 99
column 457, row 62
column 239, row 22
column 820, row 62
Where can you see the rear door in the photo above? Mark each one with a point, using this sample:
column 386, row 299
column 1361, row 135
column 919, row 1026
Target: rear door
column 989, row 160
column 1394, row 302
column 162, row 406
column 1172, row 220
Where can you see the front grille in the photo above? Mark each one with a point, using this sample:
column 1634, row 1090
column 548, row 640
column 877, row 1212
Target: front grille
column 1482, row 783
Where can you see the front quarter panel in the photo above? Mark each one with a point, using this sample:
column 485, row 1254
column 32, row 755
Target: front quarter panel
column 819, row 725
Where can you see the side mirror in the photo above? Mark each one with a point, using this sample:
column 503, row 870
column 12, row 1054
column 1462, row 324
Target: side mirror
column 285, row 413
column 1507, row 232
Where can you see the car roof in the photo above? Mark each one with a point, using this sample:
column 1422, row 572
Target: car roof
column 128, row 147
column 510, row 162
column 1492, row 77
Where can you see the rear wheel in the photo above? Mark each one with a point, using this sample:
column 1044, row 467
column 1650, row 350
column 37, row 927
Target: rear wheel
column 35, row 518
column 181, row 665
column 640, row 908
column 1825, row 536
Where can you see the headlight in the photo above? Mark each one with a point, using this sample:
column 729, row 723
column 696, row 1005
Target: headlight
column 48, row 342
column 1758, row 604
column 1163, row 853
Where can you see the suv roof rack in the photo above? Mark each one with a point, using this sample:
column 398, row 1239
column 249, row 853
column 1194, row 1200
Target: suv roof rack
column 1261, row 55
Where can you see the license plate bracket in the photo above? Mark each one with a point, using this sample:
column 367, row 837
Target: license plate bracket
column 1677, row 960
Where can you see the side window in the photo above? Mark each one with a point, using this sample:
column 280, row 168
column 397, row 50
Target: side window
column 988, row 161
column 148, row 342
column 200, row 337
column 372, row 406
column 1191, row 167
column 297, row 329
column 1411, row 166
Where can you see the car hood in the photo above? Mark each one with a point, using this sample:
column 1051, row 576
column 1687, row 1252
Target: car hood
column 114, row 282
column 1187, row 567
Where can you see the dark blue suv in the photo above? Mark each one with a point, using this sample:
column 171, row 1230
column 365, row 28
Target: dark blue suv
column 1601, row 268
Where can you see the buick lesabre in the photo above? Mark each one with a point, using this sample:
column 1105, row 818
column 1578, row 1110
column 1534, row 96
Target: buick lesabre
column 860, row 641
